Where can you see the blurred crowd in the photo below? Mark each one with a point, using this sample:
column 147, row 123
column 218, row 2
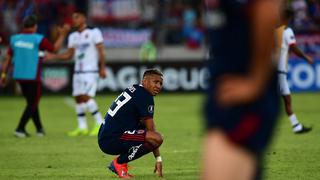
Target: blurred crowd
column 50, row 13
column 181, row 21
column 307, row 15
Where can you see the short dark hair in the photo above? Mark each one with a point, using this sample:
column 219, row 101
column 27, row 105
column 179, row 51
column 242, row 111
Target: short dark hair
column 288, row 13
column 30, row 21
column 81, row 11
column 152, row 72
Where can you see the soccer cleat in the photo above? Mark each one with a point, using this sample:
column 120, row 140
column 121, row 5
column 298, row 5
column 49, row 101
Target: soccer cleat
column 120, row 169
column 21, row 134
column 95, row 130
column 303, row 130
column 78, row 132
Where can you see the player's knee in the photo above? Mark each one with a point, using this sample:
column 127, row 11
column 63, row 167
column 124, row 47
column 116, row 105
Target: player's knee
column 154, row 138
column 159, row 139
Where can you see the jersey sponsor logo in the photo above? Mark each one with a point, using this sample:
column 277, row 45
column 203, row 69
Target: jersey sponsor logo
column 23, row 44
column 121, row 100
column 83, row 47
column 150, row 109
column 133, row 150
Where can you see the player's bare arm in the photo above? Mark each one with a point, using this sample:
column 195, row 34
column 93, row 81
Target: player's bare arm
column 102, row 60
column 299, row 53
column 67, row 55
column 63, row 31
column 235, row 90
column 153, row 136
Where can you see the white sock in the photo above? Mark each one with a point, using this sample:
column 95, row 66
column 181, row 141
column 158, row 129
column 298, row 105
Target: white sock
column 297, row 127
column 293, row 119
column 93, row 109
column 81, row 114
column 295, row 123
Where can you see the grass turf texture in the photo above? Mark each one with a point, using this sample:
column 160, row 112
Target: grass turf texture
column 177, row 116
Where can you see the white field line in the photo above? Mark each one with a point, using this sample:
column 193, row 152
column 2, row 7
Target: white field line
column 181, row 151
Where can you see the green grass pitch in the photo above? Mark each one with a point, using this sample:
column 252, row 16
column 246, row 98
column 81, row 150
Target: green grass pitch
column 177, row 116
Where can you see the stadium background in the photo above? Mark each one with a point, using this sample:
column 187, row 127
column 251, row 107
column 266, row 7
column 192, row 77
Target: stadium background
column 177, row 29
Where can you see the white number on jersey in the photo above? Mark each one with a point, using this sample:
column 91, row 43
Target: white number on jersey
column 119, row 103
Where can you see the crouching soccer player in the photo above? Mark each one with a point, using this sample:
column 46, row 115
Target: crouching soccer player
column 129, row 129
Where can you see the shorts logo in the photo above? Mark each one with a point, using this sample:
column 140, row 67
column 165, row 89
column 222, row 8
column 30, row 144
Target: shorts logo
column 150, row 109
column 134, row 150
column 140, row 131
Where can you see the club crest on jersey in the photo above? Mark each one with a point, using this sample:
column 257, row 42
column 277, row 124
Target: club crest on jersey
column 150, row 109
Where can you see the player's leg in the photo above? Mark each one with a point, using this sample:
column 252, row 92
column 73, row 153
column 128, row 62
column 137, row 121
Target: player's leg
column 27, row 91
column 78, row 88
column 153, row 140
column 135, row 144
column 224, row 160
column 297, row 127
column 92, row 106
column 36, row 115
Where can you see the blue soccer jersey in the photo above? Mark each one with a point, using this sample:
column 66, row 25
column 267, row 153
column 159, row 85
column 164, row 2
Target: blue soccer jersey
column 229, row 36
column 127, row 112
column 230, row 40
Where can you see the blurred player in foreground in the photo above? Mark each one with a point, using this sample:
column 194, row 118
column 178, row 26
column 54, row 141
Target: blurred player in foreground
column 24, row 55
column 129, row 129
column 85, row 45
column 288, row 42
column 242, row 99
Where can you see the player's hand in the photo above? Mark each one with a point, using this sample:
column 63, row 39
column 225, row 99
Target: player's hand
column 50, row 56
column 102, row 73
column 310, row 59
column 3, row 81
column 64, row 29
column 158, row 169
column 236, row 90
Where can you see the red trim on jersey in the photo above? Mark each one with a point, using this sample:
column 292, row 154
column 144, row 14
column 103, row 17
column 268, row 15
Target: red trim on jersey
column 133, row 137
column 10, row 52
column 247, row 127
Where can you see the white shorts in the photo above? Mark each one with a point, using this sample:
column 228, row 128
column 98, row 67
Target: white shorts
column 283, row 84
column 85, row 84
